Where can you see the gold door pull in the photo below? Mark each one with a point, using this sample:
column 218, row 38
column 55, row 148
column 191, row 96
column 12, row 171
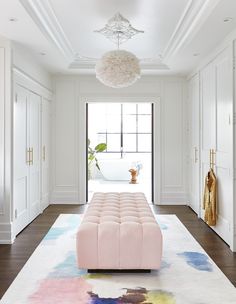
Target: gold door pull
column 44, row 153
column 195, row 154
column 28, row 157
column 213, row 155
column 31, row 156
column 212, row 158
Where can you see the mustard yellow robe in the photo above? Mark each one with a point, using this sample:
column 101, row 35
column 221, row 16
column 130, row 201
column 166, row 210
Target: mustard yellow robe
column 210, row 199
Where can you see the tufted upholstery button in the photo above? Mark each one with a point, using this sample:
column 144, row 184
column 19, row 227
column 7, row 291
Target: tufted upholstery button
column 121, row 232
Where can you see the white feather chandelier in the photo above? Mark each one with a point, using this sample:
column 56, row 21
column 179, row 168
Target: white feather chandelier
column 118, row 68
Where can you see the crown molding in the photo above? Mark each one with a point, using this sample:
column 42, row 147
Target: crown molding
column 189, row 24
column 195, row 14
column 44, row 17
column 27, row 81
column 90, row 64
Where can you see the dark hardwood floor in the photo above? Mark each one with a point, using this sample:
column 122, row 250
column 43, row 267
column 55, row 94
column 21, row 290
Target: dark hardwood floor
column 13, row 257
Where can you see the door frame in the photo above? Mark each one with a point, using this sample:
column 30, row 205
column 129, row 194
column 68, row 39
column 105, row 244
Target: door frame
column 82, row 140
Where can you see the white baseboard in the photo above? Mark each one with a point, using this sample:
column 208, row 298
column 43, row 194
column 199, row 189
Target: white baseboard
column 44, row 202
column 222, row 228
column 6, row 233
column 174, row 198
column 71, row 198
column 65, row 197
column 60, row 196
column 64, row 202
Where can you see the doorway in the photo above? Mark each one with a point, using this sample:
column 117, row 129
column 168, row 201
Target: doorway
column 120, row 144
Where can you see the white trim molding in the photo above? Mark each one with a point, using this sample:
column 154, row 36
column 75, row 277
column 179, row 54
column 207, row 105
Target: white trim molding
column 83, row 100
column 64, row 197
column 6, row 142
column 68, row 177
column 2, row 129
column 26, row 81
column 174, row 198
column 195, row 14
column 43, row 15
column 89, row 64
column 45, row 18
column 6, row 233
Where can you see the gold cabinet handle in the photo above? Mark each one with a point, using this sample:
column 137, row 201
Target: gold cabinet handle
column 213, row 152
column 28, row 157
column 31, row 156
column 195, row 154
column 44, row 153
column 212, row 158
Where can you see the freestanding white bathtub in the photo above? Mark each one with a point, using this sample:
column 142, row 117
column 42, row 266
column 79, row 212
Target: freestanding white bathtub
column 116, row 169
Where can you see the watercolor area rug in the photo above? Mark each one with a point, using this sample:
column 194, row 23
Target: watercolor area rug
column 187, row 274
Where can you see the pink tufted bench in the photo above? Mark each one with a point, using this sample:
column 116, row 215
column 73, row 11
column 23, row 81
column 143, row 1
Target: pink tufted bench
column 119, row 231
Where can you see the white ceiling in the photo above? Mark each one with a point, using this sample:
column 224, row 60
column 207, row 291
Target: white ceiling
column 88, row 15
column 174, row 30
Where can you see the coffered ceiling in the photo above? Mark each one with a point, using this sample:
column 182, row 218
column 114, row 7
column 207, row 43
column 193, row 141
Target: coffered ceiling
column 177, row 33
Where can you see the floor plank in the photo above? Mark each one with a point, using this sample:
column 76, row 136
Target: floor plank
column 13, row 257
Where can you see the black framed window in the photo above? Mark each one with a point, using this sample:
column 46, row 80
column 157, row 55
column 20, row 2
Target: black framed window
column 127, row 128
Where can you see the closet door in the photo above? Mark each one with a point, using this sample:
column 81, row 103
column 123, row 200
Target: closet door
column 45, row 153
column 216, row 134
column 21, row 160
column 208, row 121
column 224, row 145
column 34, row 113
column 194, row 113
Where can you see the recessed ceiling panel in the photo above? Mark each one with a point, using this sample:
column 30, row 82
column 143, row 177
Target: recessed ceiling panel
column 177, row 29
column 157, row 18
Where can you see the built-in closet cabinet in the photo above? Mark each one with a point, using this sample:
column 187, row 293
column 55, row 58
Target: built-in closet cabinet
column 31, row 142
column 26, row 188
column 216, row 116
column 45, row 151
column 194, row 136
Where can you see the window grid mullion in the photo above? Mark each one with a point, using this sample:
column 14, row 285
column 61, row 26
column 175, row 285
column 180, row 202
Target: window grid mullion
column 136, row 128
column 122, row 132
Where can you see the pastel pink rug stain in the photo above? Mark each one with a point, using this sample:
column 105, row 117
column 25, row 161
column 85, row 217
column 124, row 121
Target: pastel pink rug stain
column 61, row 291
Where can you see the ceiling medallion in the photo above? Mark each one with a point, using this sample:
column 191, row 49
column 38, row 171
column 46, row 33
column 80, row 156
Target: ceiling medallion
column 118, row 68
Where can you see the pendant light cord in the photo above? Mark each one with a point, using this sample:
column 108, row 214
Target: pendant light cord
column 118, row 40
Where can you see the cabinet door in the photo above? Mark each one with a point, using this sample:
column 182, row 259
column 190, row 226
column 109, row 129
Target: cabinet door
column 45, row 153
column 194, row 127
column 21, row 158
column 208, row 121
column 216, row 133
column 34, row 114
column 224, row 145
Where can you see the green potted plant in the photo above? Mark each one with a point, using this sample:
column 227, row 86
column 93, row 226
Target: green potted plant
column 92, row 159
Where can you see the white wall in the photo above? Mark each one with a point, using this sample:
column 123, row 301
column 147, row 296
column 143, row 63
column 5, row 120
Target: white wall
column 5, row 142
column 68, row 133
